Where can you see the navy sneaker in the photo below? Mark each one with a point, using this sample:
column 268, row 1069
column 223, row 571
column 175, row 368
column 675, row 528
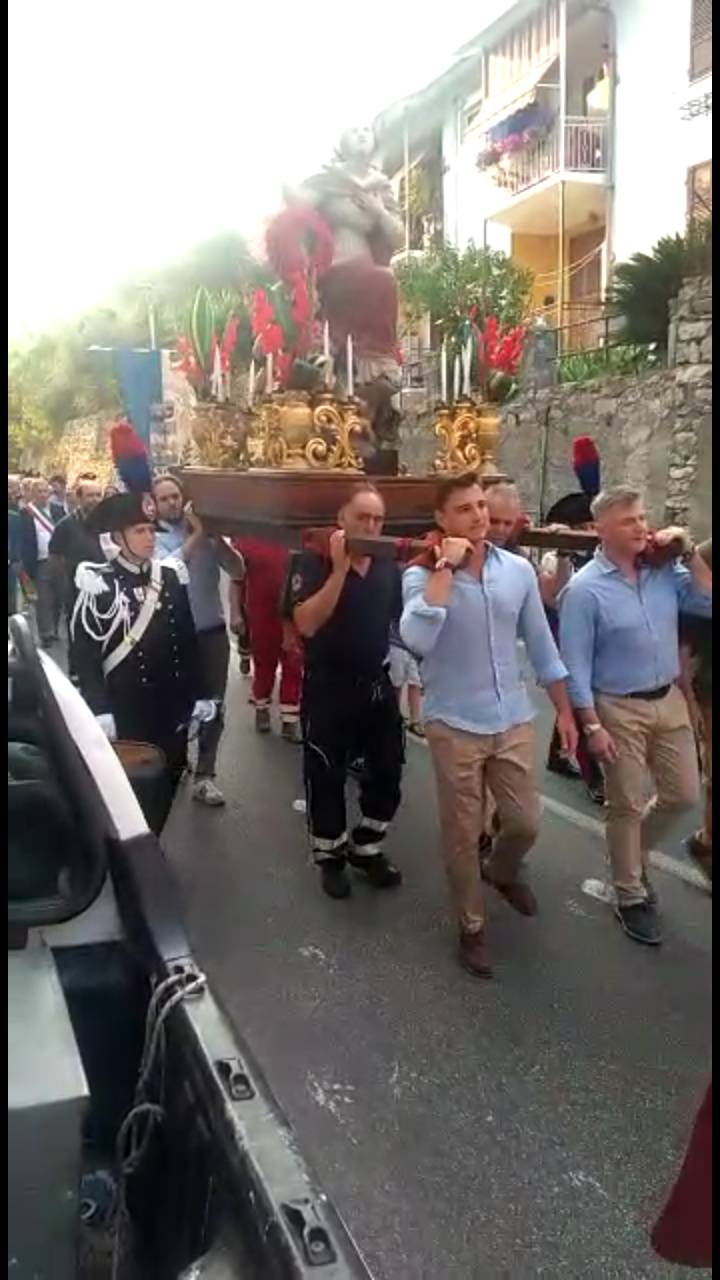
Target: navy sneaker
column 640, row 922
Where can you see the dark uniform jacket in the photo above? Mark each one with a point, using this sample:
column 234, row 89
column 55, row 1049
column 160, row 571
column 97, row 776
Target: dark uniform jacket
column 152, row 692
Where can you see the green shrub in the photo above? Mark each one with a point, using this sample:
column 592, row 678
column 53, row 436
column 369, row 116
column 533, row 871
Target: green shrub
column 643, row 288
column 625, row 358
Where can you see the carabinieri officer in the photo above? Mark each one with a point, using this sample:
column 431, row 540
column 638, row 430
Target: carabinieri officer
column 133, row 640
column 343, row 607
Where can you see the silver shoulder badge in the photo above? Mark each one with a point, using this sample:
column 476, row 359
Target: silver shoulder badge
column 178, row 567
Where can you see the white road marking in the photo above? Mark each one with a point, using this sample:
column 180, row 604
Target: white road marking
column 599, row 889
column 661, row 861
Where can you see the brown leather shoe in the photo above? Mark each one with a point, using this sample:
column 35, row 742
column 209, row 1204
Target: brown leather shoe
column 473, row 954
column 518, row 895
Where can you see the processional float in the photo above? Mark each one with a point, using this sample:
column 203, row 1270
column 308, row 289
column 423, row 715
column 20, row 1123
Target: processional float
column 325, row 376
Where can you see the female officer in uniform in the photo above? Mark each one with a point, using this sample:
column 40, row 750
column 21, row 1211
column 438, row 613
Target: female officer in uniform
column 133, row 640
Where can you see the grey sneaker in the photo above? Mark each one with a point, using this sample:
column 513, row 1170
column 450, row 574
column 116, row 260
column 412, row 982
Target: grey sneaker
column 290, row 730
column 206, row 792
column 263, row 721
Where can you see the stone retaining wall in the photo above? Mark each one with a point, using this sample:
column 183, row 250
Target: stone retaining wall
column 653, row 430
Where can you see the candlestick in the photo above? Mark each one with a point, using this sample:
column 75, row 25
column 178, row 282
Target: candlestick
column 456, row 379
column 467, row 366
column 269, row 375
column 217, row 385
column 443, row 373
column 251, row 382
column 349, row 360
column 326, row 355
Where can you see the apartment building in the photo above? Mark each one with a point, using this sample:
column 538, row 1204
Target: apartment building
column 569, row 134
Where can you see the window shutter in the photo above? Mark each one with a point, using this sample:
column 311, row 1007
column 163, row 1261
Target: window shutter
column 701, row 39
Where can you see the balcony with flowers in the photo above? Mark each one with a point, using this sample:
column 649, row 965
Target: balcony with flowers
column 533, row 144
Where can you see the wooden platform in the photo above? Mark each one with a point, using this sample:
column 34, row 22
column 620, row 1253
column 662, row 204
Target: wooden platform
column 280, row 505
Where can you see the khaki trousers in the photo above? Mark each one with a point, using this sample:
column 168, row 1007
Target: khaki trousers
column 465, row 764
column 655, row 736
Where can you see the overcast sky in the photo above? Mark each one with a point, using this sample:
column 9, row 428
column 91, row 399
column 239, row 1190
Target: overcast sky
column 137, row 129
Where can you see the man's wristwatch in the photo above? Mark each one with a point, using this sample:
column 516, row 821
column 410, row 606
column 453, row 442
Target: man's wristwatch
column 590, row 729
column 444, row 563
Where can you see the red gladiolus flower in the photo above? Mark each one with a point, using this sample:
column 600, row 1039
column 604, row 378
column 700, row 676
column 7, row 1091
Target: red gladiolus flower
column 228, row 342
column 500, row 350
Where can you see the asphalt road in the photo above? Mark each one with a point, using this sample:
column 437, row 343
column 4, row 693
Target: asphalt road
column 466, row 1130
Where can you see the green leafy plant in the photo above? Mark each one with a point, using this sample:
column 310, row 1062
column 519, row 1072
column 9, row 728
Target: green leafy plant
column 643, row 288
column 625, row 358
column 452, row 286
column 208, row 344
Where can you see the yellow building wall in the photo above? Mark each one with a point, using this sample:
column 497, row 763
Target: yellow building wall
column 540, row 255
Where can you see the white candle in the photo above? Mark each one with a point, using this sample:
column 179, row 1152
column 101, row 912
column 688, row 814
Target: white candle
column 326, row 340
column 443, row 373
column 349, row 358
column 467, row 366
column 456, row 379
column 251, row 382
column 269, row 375
column 216, row 380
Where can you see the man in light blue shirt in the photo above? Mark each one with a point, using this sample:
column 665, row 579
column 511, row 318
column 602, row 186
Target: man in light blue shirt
column 463, row 614
column 619, row 641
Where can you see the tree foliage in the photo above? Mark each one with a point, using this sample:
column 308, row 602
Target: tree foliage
column 644, row 287
column 58, row 376
column 453, row 286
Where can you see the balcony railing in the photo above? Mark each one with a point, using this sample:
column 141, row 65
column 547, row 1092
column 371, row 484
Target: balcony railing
column 586, row 144
column 585, row 151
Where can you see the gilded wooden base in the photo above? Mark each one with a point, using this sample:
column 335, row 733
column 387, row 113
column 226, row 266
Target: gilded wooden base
column 293, row 431
column 468, row 435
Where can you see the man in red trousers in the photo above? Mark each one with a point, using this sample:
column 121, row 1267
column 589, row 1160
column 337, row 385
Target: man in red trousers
column 272, row 641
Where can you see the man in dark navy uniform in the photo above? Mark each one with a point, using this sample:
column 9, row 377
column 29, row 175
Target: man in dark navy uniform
column 343, row 607
column 134, row 646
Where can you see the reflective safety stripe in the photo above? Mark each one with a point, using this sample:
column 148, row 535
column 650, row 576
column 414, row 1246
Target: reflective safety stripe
column 373, row 824
column 366, row 850
column 322, row 845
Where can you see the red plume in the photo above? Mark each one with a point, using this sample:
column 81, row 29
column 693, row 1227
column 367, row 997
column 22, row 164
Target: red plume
column 584, row 450
column 130, row 457
column 586, row 465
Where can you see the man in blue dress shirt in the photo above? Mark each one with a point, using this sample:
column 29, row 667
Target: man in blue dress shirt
column 463, row 616
column 619, row 641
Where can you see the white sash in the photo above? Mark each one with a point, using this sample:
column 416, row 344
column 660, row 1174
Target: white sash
column 141, row 623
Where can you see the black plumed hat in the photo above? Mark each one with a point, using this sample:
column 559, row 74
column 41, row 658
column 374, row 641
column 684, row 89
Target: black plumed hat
column 573, row 509
column 119, row 512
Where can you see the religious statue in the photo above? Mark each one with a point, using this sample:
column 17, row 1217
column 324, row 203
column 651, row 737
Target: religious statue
column 358, row 293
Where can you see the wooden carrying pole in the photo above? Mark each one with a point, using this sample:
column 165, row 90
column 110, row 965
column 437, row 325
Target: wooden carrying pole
column 389, row 548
